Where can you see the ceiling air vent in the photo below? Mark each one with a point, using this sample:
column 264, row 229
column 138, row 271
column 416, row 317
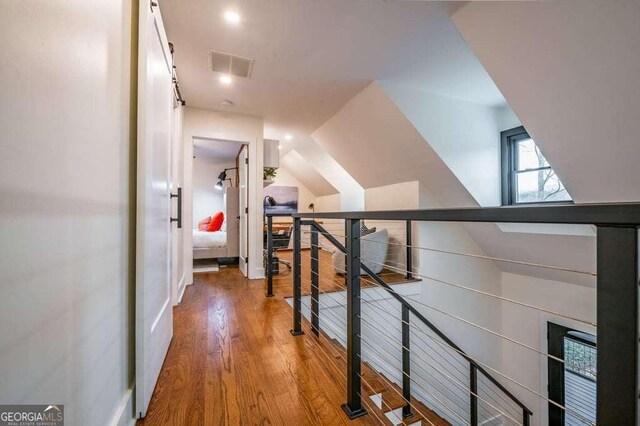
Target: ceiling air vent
column 230, row 64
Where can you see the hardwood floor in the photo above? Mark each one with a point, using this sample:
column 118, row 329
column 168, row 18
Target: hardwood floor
column 232, row 361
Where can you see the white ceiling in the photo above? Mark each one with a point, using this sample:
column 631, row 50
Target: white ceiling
column 214, row 148
column 312, row 56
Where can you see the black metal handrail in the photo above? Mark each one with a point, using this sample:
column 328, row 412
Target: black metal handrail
column 618, row 279
column 406, row 308
column 623, row 214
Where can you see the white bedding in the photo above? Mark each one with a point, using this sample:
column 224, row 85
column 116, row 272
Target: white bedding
column 203, row 239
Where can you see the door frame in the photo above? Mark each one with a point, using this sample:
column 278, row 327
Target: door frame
column 255, row 147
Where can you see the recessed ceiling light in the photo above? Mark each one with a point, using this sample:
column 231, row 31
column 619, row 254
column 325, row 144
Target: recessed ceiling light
column 232, row 17
column 225, row 79
column 288, row 137
column 226, row 103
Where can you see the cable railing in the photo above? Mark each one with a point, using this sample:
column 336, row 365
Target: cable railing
column 399, row 335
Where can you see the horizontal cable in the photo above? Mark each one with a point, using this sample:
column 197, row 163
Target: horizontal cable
column 374, row 349
column 462, row 386
column 477, row 361
column 395, row 390
column 443, row 345
column 502, row 298
column 373, row 411
column 340, row 320
column 433, row 396
column 363, row 379
column 477, row 256
column 491, row 368
column 438, row 353
column 524, row 345
column 497, row 259
column 396, row 317
column 505, row 299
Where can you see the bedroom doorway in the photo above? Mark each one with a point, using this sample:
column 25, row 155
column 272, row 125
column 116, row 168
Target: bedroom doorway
column 216, row 204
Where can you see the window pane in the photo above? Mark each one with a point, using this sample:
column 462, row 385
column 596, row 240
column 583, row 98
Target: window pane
column 580, row 358
column 529, row 156
column 540, row 186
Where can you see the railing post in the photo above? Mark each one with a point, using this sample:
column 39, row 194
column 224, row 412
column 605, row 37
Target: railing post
column 473, row 398
column 406, row 363
column 353, row 406
column 315, row 291
column 409, row 251
column 526, row 418
column 269, row 256
column 617, row 318
column 297, row 280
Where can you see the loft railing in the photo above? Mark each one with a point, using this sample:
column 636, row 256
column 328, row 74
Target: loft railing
column 617, row 283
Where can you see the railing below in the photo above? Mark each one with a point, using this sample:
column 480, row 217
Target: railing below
column 617, row 308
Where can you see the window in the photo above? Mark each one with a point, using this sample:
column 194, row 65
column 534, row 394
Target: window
column 572, row 376
column 527, row 177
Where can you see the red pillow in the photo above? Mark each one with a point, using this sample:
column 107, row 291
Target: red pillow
column 203, row 225
column 216, row 222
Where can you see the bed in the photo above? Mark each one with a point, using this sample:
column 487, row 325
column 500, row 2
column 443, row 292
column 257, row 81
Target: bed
column 223, row 243
column 209, row 244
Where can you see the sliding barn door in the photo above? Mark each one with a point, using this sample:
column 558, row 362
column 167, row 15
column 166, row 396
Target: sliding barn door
column 243, row 172
column 154, row 320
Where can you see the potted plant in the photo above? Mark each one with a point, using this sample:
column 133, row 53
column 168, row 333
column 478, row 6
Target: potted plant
column 269, row 174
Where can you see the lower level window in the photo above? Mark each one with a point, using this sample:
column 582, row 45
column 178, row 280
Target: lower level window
column 527, row 176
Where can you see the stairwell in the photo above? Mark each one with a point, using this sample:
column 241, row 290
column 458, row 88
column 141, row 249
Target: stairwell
column 383, row 398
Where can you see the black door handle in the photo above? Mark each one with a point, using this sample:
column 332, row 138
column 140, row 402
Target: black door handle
column 179, row 218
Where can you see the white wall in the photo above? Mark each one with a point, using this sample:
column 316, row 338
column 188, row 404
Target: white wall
column 330, row 203
column 306, row 173
column 529, row 327
column 483, row 275
column 399, row 196
column 205, row 124
column 207, row 200
column 569, row 70
column 465, row 135
column 351, row 192
column 67, row 236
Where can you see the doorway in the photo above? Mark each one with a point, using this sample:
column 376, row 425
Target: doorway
column 216, row 204
column 572, row 384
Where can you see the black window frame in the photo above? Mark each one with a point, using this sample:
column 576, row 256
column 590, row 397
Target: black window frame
column 556, row 334
column 509, row 159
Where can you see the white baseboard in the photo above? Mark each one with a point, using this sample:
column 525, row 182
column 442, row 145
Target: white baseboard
column 124, row 415
column 181, row 288
column 258, row 275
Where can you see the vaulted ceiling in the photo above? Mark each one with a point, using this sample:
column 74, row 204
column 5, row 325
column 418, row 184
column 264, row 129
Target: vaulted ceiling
column 312, row 56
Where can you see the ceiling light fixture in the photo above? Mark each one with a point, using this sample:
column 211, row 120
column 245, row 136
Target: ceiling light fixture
column 225, row 79
column 288, row 137
column 232, row 17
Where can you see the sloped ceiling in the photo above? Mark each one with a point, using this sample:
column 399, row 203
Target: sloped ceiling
column 304, row 171
column 569, row 70
column 375, row 142
column 311, row 56
column 378, row 145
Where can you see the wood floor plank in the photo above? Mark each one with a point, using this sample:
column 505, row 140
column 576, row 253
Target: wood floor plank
column 232, row 361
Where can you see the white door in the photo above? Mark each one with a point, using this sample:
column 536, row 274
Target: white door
column 154, row 320
column 243, row 172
